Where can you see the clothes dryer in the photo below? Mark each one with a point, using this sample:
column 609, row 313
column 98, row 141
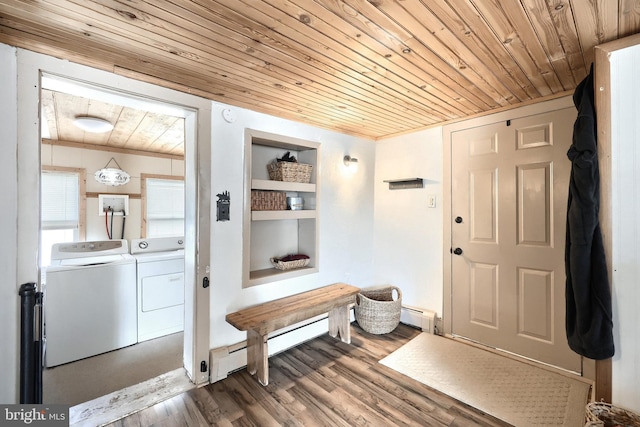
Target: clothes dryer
column 160, row 285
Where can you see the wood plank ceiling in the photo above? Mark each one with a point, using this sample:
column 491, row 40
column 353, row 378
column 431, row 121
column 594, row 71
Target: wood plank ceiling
column 135, row 131
column 372, row 68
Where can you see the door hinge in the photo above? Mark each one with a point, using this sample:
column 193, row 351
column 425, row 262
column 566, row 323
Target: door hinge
column 205, row 282
column 203, row 366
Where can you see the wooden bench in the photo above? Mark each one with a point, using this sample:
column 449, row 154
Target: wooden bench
column 259, row 320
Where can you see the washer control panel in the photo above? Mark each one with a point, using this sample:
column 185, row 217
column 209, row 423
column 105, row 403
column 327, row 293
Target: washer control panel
column 86, row 249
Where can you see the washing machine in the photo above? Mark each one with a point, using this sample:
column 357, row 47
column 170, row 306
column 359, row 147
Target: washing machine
column 160, row 285
column 89, row 300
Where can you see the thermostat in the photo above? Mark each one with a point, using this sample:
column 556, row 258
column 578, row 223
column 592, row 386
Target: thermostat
column 229, row 115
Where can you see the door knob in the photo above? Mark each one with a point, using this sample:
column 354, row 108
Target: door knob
column 457, row 251
column 458, row 219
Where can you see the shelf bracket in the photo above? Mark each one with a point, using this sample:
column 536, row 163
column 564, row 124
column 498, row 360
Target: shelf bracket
column 401, row 184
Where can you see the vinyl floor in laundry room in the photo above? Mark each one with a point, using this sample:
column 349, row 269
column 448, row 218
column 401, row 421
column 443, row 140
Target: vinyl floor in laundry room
column 87, row 379
column 322, row 382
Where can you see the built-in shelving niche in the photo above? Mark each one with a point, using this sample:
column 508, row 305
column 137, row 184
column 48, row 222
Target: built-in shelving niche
column 278, row 233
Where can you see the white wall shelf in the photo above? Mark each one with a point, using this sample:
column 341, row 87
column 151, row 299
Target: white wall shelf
column 277, row 215
column 265, row 184
column 267, row 275
column 269, row 234
column 402, row 184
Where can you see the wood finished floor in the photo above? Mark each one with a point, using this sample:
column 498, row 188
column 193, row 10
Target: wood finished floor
column 322, row 382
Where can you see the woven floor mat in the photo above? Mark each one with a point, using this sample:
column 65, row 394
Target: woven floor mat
column 513, row 391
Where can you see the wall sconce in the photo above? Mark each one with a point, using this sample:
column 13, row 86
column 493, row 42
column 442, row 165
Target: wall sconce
column 350, row 162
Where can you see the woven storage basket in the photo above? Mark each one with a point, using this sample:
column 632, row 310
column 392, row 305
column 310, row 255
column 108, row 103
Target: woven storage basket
column 268, row 200
column 290, row 172
column 605, row 414
column 290, row 265
column 376, row 310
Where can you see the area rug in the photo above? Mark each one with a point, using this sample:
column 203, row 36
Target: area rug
column 513, row 391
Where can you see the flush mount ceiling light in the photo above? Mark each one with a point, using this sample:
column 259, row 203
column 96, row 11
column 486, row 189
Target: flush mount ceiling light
column 93, row 124
column 112, row 176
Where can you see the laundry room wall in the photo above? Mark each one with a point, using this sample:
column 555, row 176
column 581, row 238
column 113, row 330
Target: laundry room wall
column 93, row 160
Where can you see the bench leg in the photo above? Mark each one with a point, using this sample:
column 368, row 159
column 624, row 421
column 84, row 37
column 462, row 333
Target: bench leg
column 339, row 323
column 258, row 356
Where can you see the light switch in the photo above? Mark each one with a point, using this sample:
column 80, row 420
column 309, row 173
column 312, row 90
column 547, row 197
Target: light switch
column 431, row 201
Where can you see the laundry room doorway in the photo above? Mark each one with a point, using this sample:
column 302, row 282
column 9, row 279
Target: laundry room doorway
column 87, row 198
column 114, row 213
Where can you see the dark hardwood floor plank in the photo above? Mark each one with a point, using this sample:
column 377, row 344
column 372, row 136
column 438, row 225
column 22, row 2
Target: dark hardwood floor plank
column 308, row 356
column 376, row 402
column 229, row 409
column 206, row 404
column 322, row 382
column 191, row 411
column 314, row 374
column 322, row 412
column 413, row 406
column 266, row 403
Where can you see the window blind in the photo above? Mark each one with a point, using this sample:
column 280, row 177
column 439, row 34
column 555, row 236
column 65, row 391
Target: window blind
column 165, row 207
column 59, row 200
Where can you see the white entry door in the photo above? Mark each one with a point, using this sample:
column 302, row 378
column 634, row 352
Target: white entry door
column 509, row 200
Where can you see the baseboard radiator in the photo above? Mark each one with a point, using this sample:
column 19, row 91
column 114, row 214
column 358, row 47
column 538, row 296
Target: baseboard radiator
column 419, row 318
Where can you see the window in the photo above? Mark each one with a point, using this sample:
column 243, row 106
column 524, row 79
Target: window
column 61, row 205
column 162, row 206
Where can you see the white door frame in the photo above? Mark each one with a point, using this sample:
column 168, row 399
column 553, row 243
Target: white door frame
column 31, row 66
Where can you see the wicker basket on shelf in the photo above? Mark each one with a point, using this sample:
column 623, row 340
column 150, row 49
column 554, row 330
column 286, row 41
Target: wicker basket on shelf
column 606, row 414
column 376, row 310
column 289, row 265
column 268, row 200
column 290, row 172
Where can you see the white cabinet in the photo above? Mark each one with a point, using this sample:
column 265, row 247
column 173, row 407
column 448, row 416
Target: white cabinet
column 277, row 233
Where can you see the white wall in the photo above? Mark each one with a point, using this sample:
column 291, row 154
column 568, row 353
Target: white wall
column 625, row 198
column 345, row 221
column 9, row 302
column 92, row 160
column 408, row 234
